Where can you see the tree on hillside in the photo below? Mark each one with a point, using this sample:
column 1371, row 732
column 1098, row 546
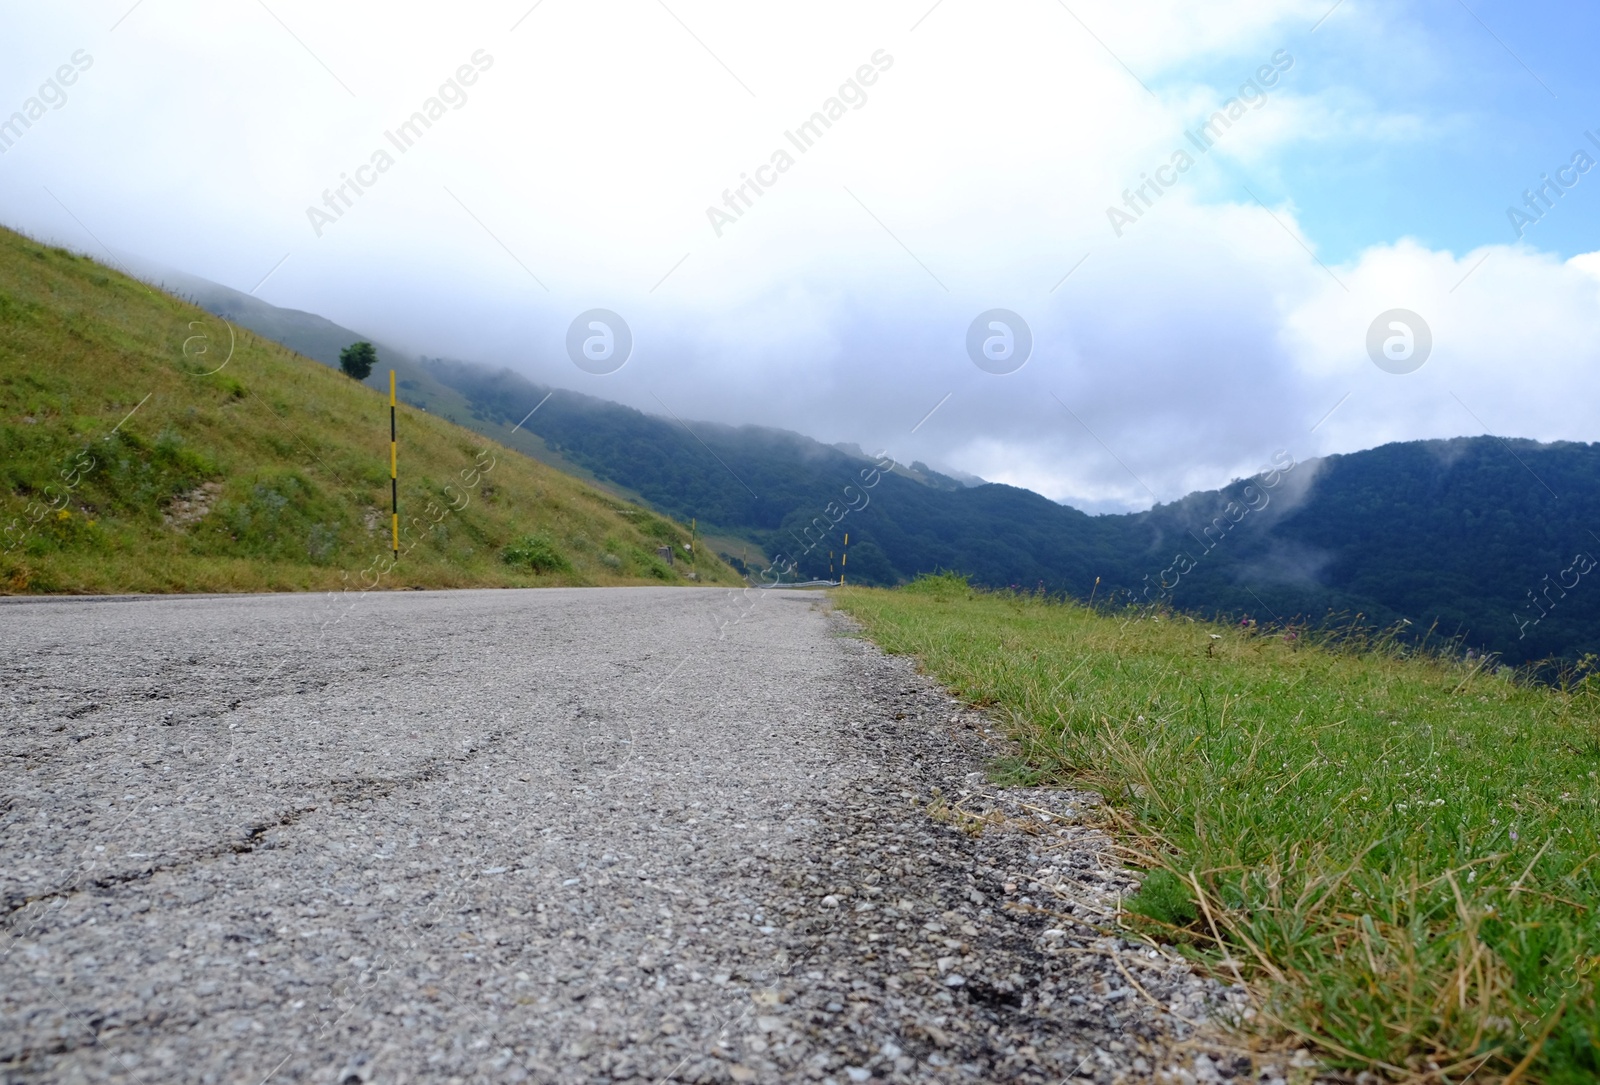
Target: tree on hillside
column 357, row 359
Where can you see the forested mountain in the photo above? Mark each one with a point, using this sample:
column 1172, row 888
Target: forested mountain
column 1468, row 533
column 1492, row 539
column 1489, row 539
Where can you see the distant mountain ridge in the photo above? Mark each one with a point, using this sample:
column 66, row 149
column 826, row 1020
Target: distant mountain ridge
column 1466, row 534
column 1462, row 534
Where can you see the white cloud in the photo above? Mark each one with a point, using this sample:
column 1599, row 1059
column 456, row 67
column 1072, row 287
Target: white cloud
column 1516, row 345
column 976, row 174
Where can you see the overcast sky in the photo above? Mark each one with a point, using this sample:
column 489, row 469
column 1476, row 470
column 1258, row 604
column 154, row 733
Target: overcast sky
column 980, row 156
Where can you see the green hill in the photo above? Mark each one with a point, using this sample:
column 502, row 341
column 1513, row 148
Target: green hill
column 420, row 385
column 148, row 446
column 1485, row 539
column 1481, row 539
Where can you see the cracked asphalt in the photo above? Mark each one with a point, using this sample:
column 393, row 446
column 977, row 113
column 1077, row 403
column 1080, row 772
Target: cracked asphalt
column 559, row 836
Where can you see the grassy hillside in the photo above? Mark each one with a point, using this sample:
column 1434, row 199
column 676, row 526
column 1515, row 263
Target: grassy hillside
column 1397, row 852
column 321, row 339
column 147, row 447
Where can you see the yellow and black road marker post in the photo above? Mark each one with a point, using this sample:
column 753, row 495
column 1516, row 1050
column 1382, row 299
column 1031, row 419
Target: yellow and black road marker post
column 844, row 558
column 394, row 475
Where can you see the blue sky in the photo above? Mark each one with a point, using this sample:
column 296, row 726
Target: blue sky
column 1490, row 123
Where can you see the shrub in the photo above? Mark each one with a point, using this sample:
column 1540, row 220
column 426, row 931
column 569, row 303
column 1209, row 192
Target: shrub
column 357, row 360
column 536, row 552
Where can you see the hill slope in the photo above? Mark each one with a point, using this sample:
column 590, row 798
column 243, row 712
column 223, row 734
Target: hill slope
column 321, row 339
column 780, row 482
column 146, row 446
column 1468, row 533
column 1491, row 539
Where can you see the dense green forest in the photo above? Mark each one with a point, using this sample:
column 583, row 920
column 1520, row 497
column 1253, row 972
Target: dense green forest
column 1489, row 539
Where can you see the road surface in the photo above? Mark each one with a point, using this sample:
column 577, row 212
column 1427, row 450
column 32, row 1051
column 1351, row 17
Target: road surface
column 553, row 836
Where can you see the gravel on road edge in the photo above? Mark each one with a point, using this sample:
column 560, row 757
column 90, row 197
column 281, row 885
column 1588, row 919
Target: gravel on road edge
column 1015, row 968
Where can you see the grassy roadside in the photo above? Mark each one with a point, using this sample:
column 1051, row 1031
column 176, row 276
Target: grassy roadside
column 146, row 446
column 1398, row 854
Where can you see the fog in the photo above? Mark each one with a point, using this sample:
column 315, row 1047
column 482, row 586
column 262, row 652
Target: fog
column 662, row 161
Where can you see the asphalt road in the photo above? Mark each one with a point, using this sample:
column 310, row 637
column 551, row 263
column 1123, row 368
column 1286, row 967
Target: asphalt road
column 556, row 836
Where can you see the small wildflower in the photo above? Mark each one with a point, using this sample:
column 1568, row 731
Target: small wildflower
column 1513, row 836
column 64, row 514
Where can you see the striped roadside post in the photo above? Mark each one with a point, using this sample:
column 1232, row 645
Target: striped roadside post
column 394, row 475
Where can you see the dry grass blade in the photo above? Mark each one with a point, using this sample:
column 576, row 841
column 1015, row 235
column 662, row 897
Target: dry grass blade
column 1211, row 920
column 1517, row 885
column 1533, row 1052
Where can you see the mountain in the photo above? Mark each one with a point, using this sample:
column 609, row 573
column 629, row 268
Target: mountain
column 1492, row 539
column 146, row 446
column 1467, row 537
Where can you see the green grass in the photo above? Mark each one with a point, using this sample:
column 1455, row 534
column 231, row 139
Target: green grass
column 537, row 552
column 146, row 447
column 1396, row 851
